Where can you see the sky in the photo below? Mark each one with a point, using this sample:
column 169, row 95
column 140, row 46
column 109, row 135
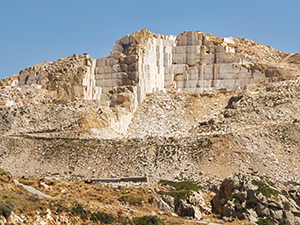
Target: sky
column 33, row 31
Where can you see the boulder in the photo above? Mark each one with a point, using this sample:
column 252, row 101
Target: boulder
column 252, row 197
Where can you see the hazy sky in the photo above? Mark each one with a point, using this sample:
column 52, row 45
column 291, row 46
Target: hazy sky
column 34, row 31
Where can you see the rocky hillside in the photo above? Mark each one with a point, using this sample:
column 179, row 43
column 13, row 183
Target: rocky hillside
column 197, row 110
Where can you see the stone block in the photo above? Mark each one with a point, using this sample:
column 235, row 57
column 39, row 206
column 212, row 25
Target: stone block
column 189, row 90
column 118, row 48
column 193, row 59
column 194, row 70
column 193, row 76
column 130, row 59
column 241, row 82
column 207, row 59
column 106, row 62
column 169, row 77
column 176, row 69
column 193, row 49
column 128, row 39
column 167, row 83
column 207, row 70
column 180, row 83
column 179, row 58
column 132, row 67
column 224, row 57
column 180, row 77
column 191, row 84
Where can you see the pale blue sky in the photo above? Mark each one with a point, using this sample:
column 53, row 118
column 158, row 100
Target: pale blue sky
column 35, row 31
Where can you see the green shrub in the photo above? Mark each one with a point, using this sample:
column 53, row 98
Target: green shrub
column 182, row 194
column 283, row 222
column 239, row 196
column 182, row 190
column 132, row 200
column 78, row 210
column 103, row 217
column 4, row 210
column 265, row 189
column 147, row 220
column 183, row 185
column 223, row 201
column 251, row 203
column 267, row 221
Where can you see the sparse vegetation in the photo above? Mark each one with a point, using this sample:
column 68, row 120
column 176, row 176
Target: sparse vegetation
column 132, row 200
column 78, row 210
column 267, row 221
column 182, row 185
column 102, row 217
column 181, row 194
column 182, row 190
column 265, row 189
column 4, row 210
column 4, row 176
column 223, row 201
column 251, row 203
column 147, row 220
column 283, row 222
column 238, row 196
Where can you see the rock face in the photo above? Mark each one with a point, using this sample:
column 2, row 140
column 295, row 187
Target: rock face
column 190, row 207
column 191, row 61
column 252, row 197
column 146, row 63
column 66, row 79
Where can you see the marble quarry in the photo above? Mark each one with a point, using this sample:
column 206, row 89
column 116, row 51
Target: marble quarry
column 143, row 63
column 189, row 62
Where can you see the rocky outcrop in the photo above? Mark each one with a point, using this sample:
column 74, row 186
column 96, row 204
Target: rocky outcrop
column 191, row 62
column 193, row 207
column 65, row 79
column 253, row 197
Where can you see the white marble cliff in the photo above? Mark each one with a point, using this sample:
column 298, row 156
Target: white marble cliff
column 143, row 63
column 189, row 62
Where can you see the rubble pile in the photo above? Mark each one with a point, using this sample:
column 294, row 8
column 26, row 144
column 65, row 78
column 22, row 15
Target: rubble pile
column 275, row 103
column 174, row 114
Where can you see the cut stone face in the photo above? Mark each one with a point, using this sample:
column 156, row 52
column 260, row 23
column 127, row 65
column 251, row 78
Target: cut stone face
column 191, row 61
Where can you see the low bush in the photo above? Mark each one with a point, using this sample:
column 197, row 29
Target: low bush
column 183, row 189
column 182, row 194
column 4, row 210
column 265, row 189
column 78, row 210
column 251, row 203
column 239, row 196
column 267, row 221
column 147, row 220
column 182, row 185
column 101, row 217
column 132, row 200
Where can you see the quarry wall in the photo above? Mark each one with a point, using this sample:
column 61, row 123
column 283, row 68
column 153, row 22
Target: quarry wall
column 190, row 62
column 145, row 63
